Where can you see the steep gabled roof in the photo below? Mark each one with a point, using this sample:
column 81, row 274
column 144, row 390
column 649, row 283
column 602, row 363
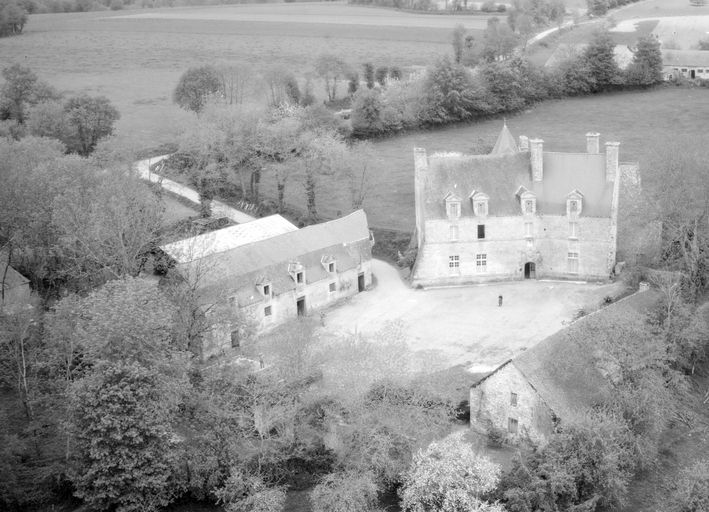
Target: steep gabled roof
column 693, row 58
column 565, row 368
column 12, row 278
column 505, row 144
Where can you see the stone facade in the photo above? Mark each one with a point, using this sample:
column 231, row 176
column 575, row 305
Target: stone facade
column 557, row 227
column 507, row 401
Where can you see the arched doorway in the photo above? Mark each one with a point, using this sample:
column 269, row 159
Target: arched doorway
column 530, row 270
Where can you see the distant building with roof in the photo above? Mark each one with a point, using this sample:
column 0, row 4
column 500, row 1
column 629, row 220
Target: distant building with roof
column 269, row 271
column 14, row 287
column 519, row 212
column 686, row 63
column 559, row 379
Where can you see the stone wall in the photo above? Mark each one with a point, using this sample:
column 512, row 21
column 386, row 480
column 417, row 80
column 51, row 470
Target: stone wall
column 491, row 401
column 508, row 249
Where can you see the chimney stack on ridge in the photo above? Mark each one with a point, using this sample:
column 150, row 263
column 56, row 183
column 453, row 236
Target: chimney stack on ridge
column 592, row 143
column 536, row 148
column 611, row 160
column 523, row 144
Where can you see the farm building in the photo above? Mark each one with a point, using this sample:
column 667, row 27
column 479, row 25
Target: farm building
column 14, row 287
column 517, row 213
column 688, row 64
column 268, row 271
column 560, row 378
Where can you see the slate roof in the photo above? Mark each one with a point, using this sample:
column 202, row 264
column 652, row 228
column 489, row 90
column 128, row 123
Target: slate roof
column 686, row 58
column 505, row 144
column 268, row 259
column 564, row 367
column 228, row 238
column 500, row 177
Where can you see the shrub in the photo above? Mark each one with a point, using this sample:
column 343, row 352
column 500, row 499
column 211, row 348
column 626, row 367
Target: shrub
column 692, row 493
column 488, row 6
column 116, row 5
column 496, row 436
column 502, row 8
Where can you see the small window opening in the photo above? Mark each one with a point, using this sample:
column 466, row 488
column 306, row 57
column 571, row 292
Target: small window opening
column 267, row 311
column 330, row 267
column 512, row 425
column 332, row 287
column 513, row 399
column 299, row 278
column 267, row 290
column 481, row 231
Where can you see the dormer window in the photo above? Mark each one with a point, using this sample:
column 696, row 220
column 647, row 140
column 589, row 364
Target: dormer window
column 527, row 201
column 480, row 202
column 263, row 284
column 452, row 205
column 574, row 203
column 297, row 272
column 328, row 263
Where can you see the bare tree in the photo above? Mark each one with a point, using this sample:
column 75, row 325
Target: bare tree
column 331, row 69
column 360, row 173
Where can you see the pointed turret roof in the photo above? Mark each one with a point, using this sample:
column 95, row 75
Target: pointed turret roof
column 505, row 144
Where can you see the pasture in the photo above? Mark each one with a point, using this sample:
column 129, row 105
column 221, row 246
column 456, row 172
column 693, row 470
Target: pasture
column 136, row 57
column 660, row 8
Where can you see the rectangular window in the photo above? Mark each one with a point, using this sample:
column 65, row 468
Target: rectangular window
column 267, row 311
column 513, row 399
column 453, row 209
column 299, row 278
column 481, row 209
column 332, row 287
column 528, row 229
column 454, row 265
column 481, row 231
column 267, row 290
column 529, row 207
column 512, row 425
column 573, row 260
column 573, row 229
column 331, row 267
column 481, row 263
column 573, row 206
column 454, row 233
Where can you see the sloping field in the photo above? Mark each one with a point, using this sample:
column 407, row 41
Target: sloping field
column 660, row 8
column 136, row 57
column 324, row 13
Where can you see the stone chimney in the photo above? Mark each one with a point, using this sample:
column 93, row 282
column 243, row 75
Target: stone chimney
column 523, row 144
column 611, row 160
column 536, row 159
column 592, row 143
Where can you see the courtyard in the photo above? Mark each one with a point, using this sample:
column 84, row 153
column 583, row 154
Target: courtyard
column 464, row 325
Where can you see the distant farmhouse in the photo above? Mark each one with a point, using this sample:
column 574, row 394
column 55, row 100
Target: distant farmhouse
column 518, row 213
column 14, row 287
column 687, row 64
column 560, row 378
column 270, row 271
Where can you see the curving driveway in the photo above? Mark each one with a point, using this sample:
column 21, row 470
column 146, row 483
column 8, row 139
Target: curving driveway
column 464, row 325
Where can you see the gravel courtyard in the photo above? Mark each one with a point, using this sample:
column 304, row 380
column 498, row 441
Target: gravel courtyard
column 465, row 326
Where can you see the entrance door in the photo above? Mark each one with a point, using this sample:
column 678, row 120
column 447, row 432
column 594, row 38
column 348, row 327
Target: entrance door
column 693, row 73
column 360, row 282
column 300, row 303
column 530, row 271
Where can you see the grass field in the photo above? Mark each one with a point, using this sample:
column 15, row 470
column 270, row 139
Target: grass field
column 136, row 57
column 653, row 8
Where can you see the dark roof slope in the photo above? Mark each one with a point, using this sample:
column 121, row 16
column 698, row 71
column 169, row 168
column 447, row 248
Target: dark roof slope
column 498, row 177
column 12, row 278
column 564, row 172
column 692, row 58
column 564, row 368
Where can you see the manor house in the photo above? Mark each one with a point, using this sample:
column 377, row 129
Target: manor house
column 517, row 213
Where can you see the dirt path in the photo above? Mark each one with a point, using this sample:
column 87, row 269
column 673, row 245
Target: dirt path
column 465, row 325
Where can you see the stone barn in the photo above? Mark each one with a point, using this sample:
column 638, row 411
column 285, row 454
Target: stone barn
column 517, row 213
column 561, row 377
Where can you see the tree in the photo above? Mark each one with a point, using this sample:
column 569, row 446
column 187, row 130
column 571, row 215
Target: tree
column 599, row 56
column 381, row 75
column 277, row 80
column 458, row 42
column 703, row 43
column 498, row 40
column 278, row 145
column 359, row 172
column 321, row 156
column 449, row 477
column 369, row 74
column 22, row 88
column 106, row 231
column 331, row 69
column 646, row 67
column 248, row 493
column 195, row 86
column 366, row 112
column 49, row 119
column 349, row 491
column 120, row 413
column 13, row 18
column 353, row 83
column 92, row 118
column 238, row 81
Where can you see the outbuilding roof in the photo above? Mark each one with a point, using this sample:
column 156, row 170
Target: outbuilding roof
column 566, row 369
column 9, row 277
column 688, row 58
